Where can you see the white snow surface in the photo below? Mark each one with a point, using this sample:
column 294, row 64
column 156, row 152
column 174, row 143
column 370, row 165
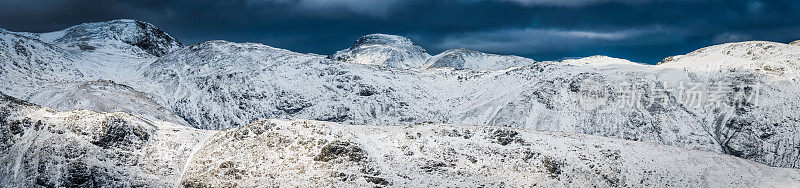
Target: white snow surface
column 79, row 148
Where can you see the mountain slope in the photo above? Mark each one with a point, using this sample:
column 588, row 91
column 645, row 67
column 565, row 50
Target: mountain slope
column 104, row 96
column 43, row 147
column 27, row 62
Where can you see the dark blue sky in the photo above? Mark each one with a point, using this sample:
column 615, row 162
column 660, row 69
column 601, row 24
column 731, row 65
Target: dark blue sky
column 640, row 30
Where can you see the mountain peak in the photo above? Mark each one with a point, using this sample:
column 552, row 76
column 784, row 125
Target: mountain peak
column 771, row 58
column 234, row 47
column 221, row 54
column 460, row 50
column 90, row 36
column 599, row 60
column 797, row 42
column 384, row 50
column 747, row 50
column 382, row 39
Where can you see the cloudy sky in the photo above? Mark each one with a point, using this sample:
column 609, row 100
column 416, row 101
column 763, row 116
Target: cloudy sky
column 640, row 30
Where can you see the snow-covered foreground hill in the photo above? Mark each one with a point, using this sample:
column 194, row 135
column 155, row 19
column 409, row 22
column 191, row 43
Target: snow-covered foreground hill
column 738, row 98
column 45, row 147
column 82, row 148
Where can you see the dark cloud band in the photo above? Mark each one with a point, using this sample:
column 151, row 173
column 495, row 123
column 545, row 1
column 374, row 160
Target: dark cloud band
column 643, row 31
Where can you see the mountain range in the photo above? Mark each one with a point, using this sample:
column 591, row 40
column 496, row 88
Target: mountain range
column 143, row 109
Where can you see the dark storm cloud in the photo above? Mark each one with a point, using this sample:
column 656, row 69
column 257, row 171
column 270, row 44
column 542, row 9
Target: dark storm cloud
column 640, row 30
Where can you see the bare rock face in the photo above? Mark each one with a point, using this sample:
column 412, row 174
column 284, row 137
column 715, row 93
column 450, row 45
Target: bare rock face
column 385, row 50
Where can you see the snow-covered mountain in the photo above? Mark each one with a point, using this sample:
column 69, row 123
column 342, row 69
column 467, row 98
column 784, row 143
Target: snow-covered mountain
column 120, row 37
column 600, row 60
column 385, row 50
column 43, row 147
column 778, row 60
column 85, row 66
column 220, row 84
column 737, row 98
column 82, row 148
column 460, row 59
